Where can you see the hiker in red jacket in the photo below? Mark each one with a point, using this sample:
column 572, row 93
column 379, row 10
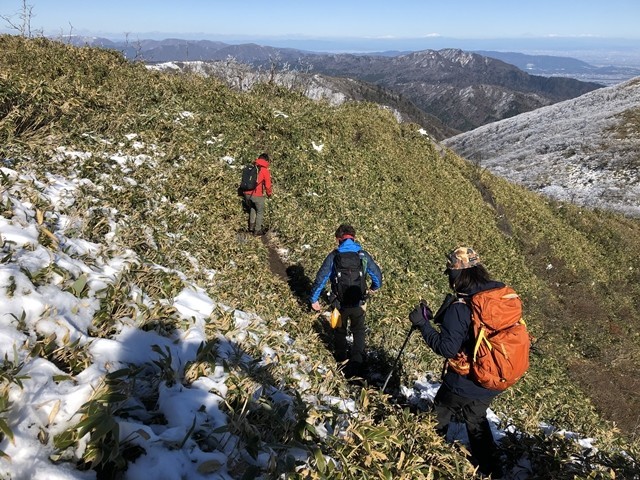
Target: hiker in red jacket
column 254, row 200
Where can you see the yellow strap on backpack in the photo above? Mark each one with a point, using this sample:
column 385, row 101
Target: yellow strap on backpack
column 481, row 337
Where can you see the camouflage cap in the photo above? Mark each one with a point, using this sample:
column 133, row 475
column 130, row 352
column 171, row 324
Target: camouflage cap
column 461, row 258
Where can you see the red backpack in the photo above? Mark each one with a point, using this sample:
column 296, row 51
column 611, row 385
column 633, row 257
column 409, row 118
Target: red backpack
column 501, row 352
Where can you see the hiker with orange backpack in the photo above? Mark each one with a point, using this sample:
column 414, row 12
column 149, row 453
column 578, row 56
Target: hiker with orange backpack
column 480, row 361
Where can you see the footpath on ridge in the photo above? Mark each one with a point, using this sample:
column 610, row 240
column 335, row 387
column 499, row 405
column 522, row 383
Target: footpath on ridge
column 379, row 361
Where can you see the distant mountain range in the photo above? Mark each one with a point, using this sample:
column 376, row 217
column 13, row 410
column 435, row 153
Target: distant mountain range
column 206, row 50
column 462, row 90
column 583, row 150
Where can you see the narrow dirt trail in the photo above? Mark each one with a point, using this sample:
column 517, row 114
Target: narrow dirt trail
column 276, row 264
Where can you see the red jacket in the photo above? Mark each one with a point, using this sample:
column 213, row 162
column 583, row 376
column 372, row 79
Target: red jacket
column 264, row 179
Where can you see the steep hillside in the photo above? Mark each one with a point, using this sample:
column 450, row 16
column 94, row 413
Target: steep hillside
column 335, row 90
column 583, row 150
column 119, row 194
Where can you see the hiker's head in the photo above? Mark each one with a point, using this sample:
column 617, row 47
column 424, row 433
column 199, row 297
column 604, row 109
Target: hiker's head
column 461, row 258
column 345, row 231
column 264, row 156
column 464, row 269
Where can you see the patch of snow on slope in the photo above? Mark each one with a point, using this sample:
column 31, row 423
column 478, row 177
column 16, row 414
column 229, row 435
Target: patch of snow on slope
column 568, row 151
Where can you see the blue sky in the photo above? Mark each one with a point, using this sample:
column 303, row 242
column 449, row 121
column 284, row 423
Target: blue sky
column 333, row 18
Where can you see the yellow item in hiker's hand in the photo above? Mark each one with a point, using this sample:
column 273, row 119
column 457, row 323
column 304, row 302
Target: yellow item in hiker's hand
column 336, row 320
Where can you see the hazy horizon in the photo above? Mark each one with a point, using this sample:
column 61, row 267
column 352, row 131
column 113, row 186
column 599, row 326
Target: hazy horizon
column 597, row 32
column 596, row 51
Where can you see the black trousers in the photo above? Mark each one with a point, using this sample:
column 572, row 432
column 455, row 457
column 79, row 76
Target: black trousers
column 473, row 412
column 354, row 317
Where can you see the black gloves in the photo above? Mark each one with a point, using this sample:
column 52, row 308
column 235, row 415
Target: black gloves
column 420, row 315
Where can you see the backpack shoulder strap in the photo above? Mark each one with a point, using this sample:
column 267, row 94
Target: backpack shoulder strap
column 363, row 260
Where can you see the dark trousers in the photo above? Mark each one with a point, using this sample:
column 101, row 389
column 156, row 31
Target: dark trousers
column 473, row 412
column 255, row 206
column 354, row 317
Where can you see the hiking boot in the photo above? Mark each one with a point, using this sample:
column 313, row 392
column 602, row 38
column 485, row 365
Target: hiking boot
column 353, row 369
column 494, row 472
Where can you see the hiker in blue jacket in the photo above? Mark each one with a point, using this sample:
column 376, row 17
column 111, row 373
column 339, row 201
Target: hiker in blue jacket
column 346, row 268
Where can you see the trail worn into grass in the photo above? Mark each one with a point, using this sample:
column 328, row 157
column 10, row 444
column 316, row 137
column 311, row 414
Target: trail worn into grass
column 276, row 264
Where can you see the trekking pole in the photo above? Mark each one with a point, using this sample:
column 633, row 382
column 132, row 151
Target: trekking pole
column 449, row 299
column 395, row 363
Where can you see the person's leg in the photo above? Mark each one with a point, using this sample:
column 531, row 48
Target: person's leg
column 445, row 405
column 259, row 203
column 483, row 447
column 252, row 213
column 357, row 322
column 354, row 317
column 340, row 340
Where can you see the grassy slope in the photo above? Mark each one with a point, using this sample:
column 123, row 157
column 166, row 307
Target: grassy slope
column 408, row 203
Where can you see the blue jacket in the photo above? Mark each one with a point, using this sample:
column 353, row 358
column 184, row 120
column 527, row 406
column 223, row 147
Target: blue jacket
column 327, row 270
column 455, row 335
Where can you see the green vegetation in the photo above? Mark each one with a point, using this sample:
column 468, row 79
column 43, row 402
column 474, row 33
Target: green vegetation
column 9, row 373
column 576, row 269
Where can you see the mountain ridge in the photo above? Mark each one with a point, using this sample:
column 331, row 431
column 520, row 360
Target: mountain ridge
column 462, row 89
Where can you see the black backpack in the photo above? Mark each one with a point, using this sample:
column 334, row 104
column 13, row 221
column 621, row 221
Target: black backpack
column 249, row 179
column 349, row 282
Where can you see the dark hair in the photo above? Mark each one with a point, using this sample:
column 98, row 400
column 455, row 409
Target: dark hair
column 345, row 229
column 264, row 156
column 468, row 279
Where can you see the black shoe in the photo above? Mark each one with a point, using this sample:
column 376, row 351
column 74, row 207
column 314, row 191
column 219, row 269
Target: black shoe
column 353, row 369
column 494, row 472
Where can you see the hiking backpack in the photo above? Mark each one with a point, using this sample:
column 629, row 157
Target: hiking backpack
column 349, row 282
column 249, row 180
column 501, row 352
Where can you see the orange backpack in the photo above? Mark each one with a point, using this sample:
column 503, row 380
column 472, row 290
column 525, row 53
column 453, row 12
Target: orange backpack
column 501, row 353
